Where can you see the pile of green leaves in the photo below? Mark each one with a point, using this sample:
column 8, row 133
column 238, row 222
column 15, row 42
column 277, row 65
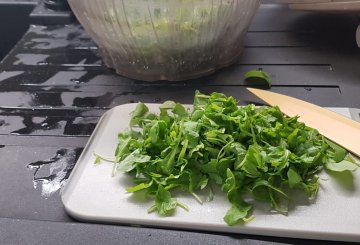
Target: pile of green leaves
column 248, row 151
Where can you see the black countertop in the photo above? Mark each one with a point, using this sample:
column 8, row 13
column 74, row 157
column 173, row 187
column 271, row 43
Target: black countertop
column 54, row 88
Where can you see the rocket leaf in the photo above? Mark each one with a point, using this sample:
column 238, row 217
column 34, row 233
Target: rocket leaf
column 248, row 151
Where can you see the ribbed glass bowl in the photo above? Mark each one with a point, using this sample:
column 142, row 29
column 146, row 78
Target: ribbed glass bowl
column 166, row 39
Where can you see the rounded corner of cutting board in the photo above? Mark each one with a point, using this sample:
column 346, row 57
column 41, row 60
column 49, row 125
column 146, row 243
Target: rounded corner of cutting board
column 69, row 210
column 74, row 212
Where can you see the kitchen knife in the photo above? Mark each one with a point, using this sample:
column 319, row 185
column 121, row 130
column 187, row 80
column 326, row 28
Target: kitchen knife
column 341, row 130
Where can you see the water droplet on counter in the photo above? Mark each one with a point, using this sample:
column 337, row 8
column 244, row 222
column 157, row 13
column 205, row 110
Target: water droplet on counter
column 76, row 81
column 52, row 173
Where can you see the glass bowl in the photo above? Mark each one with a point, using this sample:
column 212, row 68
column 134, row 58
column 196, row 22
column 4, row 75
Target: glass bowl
column 166, row 39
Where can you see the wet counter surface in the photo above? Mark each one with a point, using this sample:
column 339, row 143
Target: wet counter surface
column 54, row 88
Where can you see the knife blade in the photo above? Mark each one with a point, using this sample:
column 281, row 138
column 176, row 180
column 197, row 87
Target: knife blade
column 341, row 130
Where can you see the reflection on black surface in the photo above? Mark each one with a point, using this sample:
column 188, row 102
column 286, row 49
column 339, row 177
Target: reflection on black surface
column 65, row 58
column 58, row 37
column 72, row 128
column 96, row 101
column 52, row 173
column 56, row 125
column 46, row 99
column 30, row 126
column 328, row 31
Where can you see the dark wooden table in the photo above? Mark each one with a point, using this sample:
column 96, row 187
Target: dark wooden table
column 54, row 88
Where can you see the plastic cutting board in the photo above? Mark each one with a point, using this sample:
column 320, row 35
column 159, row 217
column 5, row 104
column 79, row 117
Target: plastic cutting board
column 92, row 195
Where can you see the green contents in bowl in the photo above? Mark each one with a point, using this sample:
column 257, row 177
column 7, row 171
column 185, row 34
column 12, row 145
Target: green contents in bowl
column 167, row 39
column 164, row 26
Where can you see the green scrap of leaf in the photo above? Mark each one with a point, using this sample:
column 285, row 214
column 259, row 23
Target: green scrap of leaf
column 252, row 161
column 139, row 187
column 140, row 111
column 294, row 178
column 180, row 110
column 258, row 77
column 97, row 160
column 129, row 162
column 342, row 166
column 237, row 214
column 339, row 153
column 165, row 204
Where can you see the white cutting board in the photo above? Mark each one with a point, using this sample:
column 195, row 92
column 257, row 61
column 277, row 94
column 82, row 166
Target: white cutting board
column 91, row 194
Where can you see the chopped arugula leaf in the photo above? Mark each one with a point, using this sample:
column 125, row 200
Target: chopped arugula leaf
column 258, row 77
column 97, row 160
column 247, row 151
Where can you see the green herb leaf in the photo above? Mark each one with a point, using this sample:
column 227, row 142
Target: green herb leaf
column 294, row 178
column 339, row 153
column 97, row 160
column 258, row 77
column 129, row 162
column 139, row 187
column 342, row 166
column 140, row 111
column 180, row 110
column 165, row 205
column 236, row 214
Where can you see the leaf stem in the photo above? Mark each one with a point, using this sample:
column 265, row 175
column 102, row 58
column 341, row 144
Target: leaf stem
column 197, row 198
column 211, row 194
column 183, row 206
column 106, row 159
column 151, row 209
